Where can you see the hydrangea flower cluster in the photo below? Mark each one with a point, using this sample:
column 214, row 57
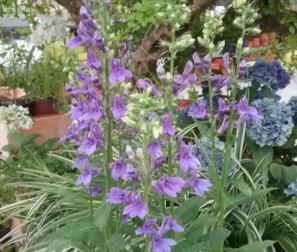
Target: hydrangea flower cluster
column 16, row 117
column 292, row 189
column 293, row 104
column 276, row 125
column 205, row 154
column 270, row 74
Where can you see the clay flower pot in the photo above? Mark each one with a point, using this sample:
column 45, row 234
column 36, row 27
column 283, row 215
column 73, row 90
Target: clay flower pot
column 43, row 107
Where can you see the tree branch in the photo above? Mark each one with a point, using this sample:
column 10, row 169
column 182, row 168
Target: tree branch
column 73, row 7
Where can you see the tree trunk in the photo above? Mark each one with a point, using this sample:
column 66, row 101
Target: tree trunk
column 73, row 7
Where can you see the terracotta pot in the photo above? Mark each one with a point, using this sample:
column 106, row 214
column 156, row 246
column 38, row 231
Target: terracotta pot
column 43, row 107
column 265, row 39
column 257, row 42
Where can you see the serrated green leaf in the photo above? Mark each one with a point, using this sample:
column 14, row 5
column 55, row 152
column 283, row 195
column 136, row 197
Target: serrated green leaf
column 253, row 247
column 116, row 243
column 189, row 209
column 101, row 216
column 283, row 174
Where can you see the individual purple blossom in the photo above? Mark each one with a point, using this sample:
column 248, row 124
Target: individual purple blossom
column 242, row 68
column 147, row 228
column 85, row 177
column 206, row 63
column 168, row 128
column 116, row 196
column 81, row 161
column 224, row 126
column 131, row 174
column 223, row 107
column 92, row 140
column 158, row 162
column 144, row 84
column 246, row 112
column 169, row 185
column 94, row 191
column 220, row 81
column 198, row 110
column 118, row 169
column 226, row 61
column 85, row 110
column 117, row 72
column 135, row 208
column 119, row 107
column 160, row 244
column 187, row 161
column 154, row 149
column 187, row 78
column 199, row 185
column 93, row 61
column 170, row 224
column 197, row 61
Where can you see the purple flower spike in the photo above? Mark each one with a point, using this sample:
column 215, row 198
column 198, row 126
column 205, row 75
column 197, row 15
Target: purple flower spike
column 246, row 112
column 119, row 107
column 169, row 185
column 224, row 126
column 158, row 162
column 169, row 224
column 93, row 61
column 197, row 61
column 74, row 42
column 168, row 128
column 117, row 72
column 226, row 61
column 116, row 196
column 147, row 228
column 160, row 244
column 199, row 185
column 198, row 110
column 136, row 208
column 187, row 161
column 206, row 61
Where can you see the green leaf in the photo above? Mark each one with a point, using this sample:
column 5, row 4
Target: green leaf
column 244, row 198
column 116, row 243
column 262, row 156
column 188, row 211
column 101, row 216
column 242, row 186
column 283, row 174
column 211, row 239
column 253, row 247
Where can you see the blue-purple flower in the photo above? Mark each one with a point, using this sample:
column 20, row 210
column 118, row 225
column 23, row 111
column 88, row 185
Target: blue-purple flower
column 184, row 80
column 93, row 61
column 169, row 186
column 120, row 170
column 199, row 185
column 247, row 113
column 135, row 208
column 198, row 110
column 117, row 72
column 224, row 126
column 197, row 61
column 146, row 84
column 119, row 107
column 168, row 128
column 85, row 177
column 187, row 161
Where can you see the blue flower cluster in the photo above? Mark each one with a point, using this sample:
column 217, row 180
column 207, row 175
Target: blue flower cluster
column 270, row 74
column 292, row 189
column 276, row 125
column 293, row 104
column 204, row 153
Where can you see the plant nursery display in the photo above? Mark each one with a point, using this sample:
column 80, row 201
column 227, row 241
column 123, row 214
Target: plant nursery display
column 192, row 150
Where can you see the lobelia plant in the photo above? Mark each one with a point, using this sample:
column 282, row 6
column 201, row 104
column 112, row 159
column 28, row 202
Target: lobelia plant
column 158, row 166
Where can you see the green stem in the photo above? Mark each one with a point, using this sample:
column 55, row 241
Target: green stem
column 170, row 110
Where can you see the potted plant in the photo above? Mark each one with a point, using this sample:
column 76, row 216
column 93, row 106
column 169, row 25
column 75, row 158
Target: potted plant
column 46, row 85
